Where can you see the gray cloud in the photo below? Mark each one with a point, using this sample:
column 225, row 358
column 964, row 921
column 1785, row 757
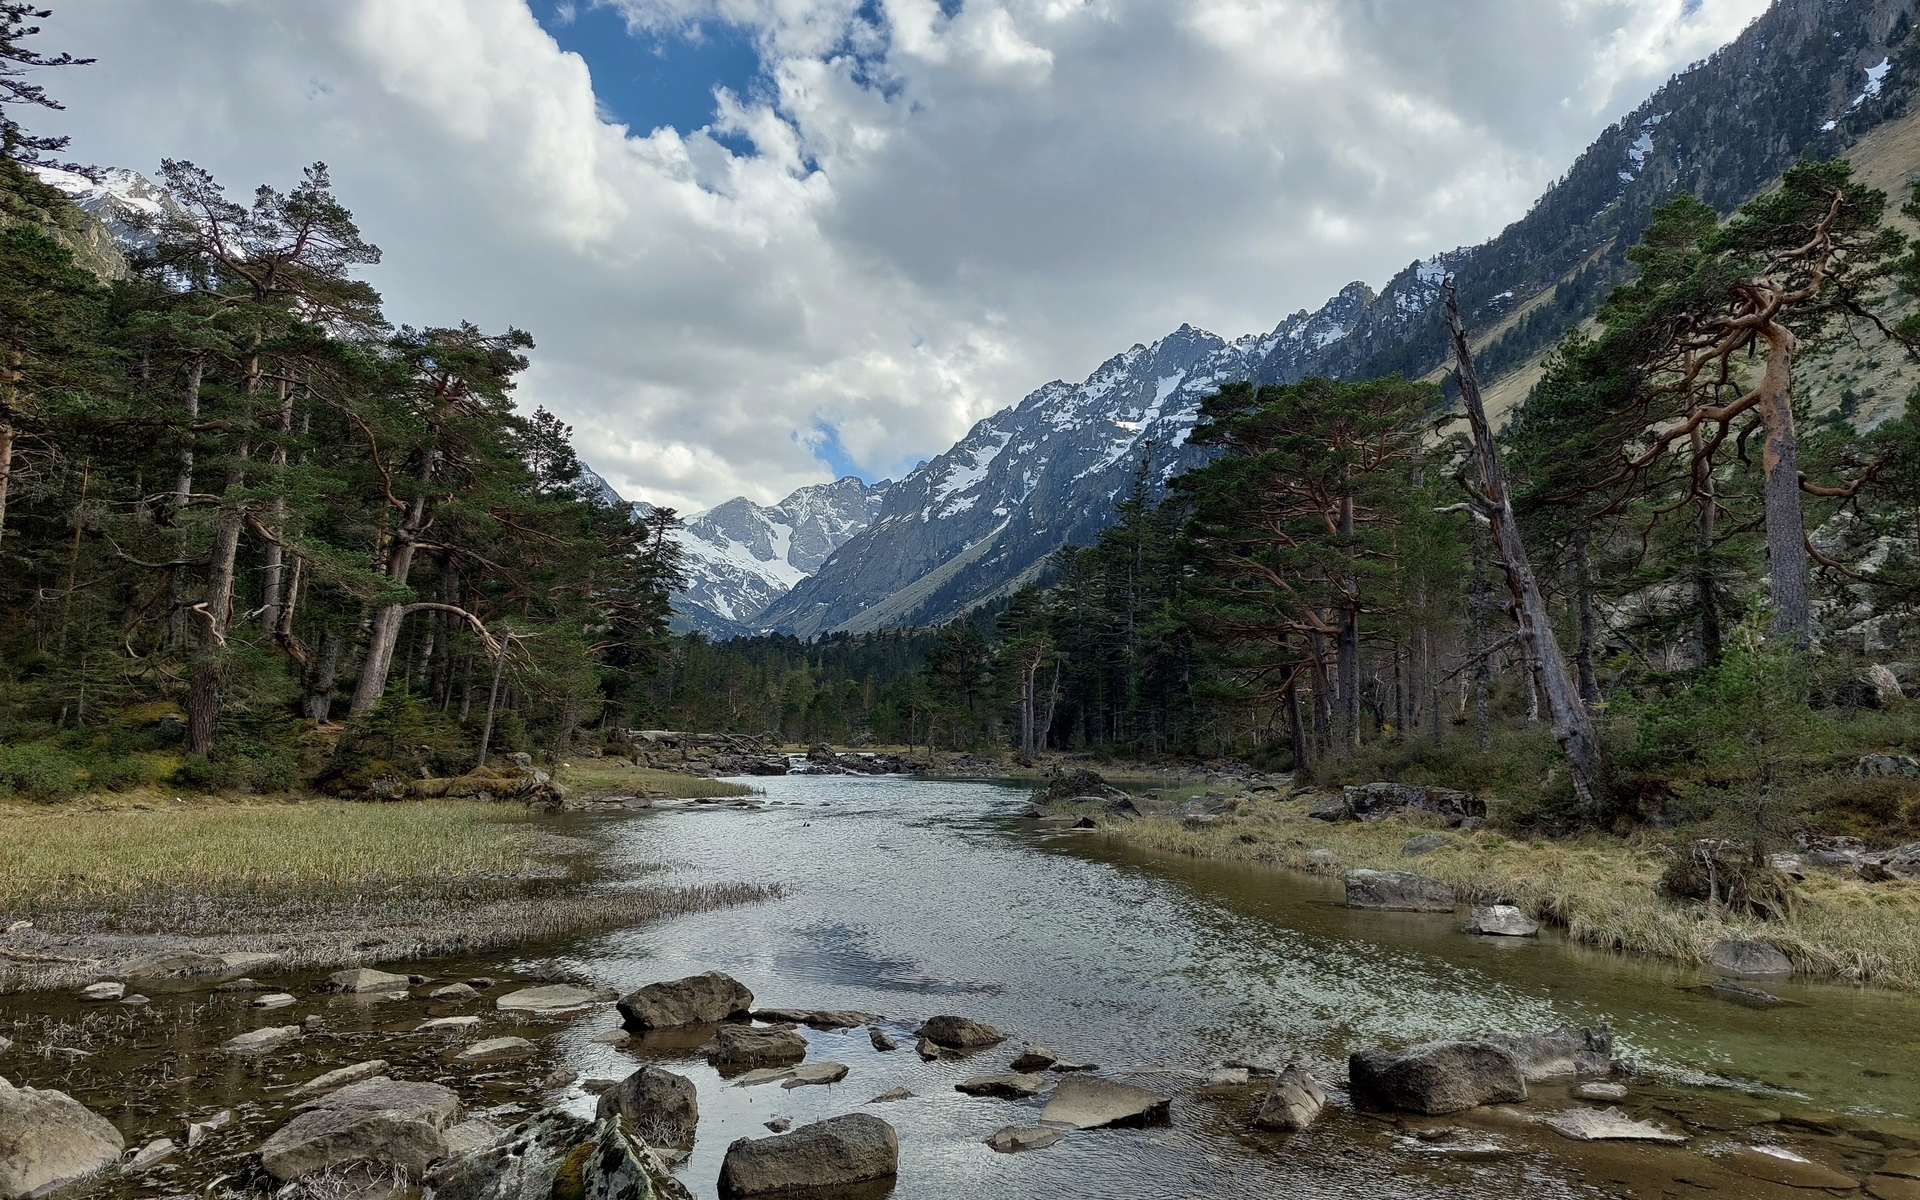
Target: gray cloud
column 942, row 212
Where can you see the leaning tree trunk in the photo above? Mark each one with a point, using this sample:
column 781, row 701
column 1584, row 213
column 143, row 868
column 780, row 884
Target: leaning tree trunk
column 1572, row 724
column 384, row 631
column 1780, row 489
column 277, row 520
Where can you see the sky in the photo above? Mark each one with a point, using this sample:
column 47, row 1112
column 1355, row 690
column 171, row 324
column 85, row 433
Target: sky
column 764, row 243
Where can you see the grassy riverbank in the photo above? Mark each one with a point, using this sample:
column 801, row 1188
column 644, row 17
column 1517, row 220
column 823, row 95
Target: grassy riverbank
column 316, row 882
column 1600, row 889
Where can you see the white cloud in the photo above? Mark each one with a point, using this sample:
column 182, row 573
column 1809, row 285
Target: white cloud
column 943, row 209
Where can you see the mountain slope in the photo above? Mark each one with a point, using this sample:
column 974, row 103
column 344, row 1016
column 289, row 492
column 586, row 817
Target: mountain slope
column 1809, row 77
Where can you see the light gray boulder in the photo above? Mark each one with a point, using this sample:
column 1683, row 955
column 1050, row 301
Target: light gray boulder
column 1397, row 891
column 1090, row 1102
column 1745, row 958
column 48, row 1140
column 1501, row 920
column 1558, row 1053
column 1014, row 1139
column 379, row 1120
column 959, row 1033
column 366, row 979
column 1295, row 1099
column 556, row 1156
column 338, row 1078
column 661, row 1107
column 834, row 1153
column 696, row 1000
column 552, row 998
column 1435, row 1077
column 500, row 1049
column 258, row 1041
column 1607, row 1125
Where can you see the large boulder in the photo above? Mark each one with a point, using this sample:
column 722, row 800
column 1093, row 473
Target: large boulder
column 1397, row 891
column 696, row 1000
column 1295, row 1099
column 1558, row 1053
column 48, row 1140
column 1090, row 1102
column 662, row 1108
column 1745, row 958
column 379, row 1120
column 1901, row 862
column 959, row 1033
column 556, row 1156
column 738, row 1048
column 837, row 1152
column 1435, row 1077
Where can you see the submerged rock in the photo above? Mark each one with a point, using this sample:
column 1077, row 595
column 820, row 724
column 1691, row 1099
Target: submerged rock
column 379, row 1120
column 1090, row 1102
column 959, row 1033
column 1293, row 1102
column 837, row 1152
column 1012, row 1085
column 365, row 979
column 103, row 991
column 1397, row 891
column 48, row 1140
column 551, row 998
column 500, row 1049
column 256, row 1041
column 1607, row 1125
column 696, row 1000
column 1013, row 1139
column 659, row 1105
column 812, row 1074
column 1436, row 1077
column 334, row 1080
column 1035, row 1057
column 1501, row 920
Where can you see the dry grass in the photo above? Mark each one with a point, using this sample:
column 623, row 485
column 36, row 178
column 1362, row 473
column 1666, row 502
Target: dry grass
column 1600, row 889
column 610, row 777
column 66, row 857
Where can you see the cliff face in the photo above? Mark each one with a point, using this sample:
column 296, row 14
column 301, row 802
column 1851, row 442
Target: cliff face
column 1808, row 78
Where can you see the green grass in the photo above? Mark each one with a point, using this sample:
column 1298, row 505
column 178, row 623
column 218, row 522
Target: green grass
column 77, row 856
column 1600, row 889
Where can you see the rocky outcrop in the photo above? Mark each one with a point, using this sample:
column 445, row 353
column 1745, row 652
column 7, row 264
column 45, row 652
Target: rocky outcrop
column 48, row 1140
column 1397, row 891
column 959, row 1033
column 1080, row 784
column 1558, row 1053
column 1435, row 1077
column 1375, row 801
column 738, row 1048
column 661, row 1107
column 380, row 1120
column 837, row 1152
column 1090, row 1102
column 696, row 1000
column 1292, row 1103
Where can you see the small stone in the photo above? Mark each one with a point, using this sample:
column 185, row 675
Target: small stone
column 558, row 1078
column 364, row 979
column 1601, row 1091
column 1089, row 1102
column 198, row 1131
column 1775, row 1164
column 314, row 1021
column 1035, row 1057
column 447, row 1025
column 1607, row 1125
column 612, row 1037
column 258, row 1040
column 553, row 998
column 959, row 1033
column 807, row 1074
column 1502, row 920
column 1293, row 1102
column 779, row 1124
column 103, row 991
column 334, row 1080
column 148, row 1155
column 890, row 1095
column 453, row 993
column 927, row 1050
column 595, row 1087
column 880, row 1039
column 1228, row 1077
column 1424, row 843
column 1011, row 1085
column 135, row 1001
column 6, row 1044
column 500, row 1049
column 1013, row 1139
column 274, row 1000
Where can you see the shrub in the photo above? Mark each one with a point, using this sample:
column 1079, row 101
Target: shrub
column 38, row 772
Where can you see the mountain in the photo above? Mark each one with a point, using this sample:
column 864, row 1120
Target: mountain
column 1807, row 78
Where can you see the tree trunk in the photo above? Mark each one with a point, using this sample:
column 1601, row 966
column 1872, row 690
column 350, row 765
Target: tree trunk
column 384, row 633
column 277, row 519
column 1401, row 680
column 203, row 694
column 1780, row 487
column 1349, row 661
column 1572, row 725
column 1583, row 597
column 1296, row 729
column 493, row 703
column 1707, row 640
column 1482, row 668
column 318, row 702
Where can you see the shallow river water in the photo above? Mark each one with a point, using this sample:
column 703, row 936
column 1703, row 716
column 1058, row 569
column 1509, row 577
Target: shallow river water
column 909, row 898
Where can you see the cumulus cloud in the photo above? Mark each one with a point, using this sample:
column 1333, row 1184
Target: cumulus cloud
column 925, row 209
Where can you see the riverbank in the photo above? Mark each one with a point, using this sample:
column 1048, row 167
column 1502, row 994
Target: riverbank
column 1601, row 890
column 294, row 883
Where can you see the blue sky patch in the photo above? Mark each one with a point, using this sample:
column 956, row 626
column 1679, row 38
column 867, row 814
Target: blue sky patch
column 651, row 80
column 824, row 442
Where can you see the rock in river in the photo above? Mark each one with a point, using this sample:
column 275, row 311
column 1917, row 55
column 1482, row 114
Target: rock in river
column 839, row 1151
column 1014, row 1085
column 557, row 1155
column 553, row 998
column 1035, row 1057
column 695, row 1000
column 742, row 1047
column 1397, row 891
column 378, row 1120
column 1746, row 958
column 660, row 1106
column 1090, row 1102
column 1607, row 1125
column 1584, row 1053
column 48, row 1140
column 103, row 991
column 881, row 1040
column 959, row 1033
column 1502, row 920
column 365, row 979
column 333, row 1081
column 1013, row 1139
column 255, row 1041
column 1435, row 1077
column 454, row 993
column 500, row 1049
column 1295, row 1099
